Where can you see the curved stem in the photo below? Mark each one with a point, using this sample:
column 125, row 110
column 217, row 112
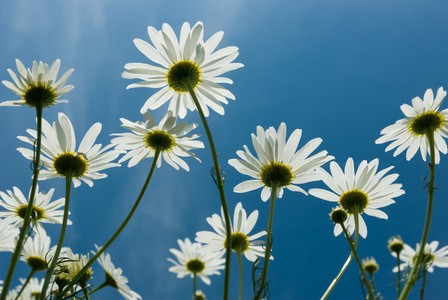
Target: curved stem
column 54, row 260
column 240, row 268
column 355, row 254
column 29, row 209
column 26, row 282
column 422, row 292
column 413, row 276
column 220, row 184
column 399, row 274
column 267, row 255
column 345, row 266
column 119, row 230
column 103, row 285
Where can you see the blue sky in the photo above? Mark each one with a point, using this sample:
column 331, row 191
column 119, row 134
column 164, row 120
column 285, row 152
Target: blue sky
column 338, row 70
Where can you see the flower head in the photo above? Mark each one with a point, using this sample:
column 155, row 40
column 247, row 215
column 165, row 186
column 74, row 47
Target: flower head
column 38, row 86
column 370, row 265
column 422, row 117
column 68, row 267
column 36, row 251
column 193, row 259
column 60, row 160
column 395, row 244
column 241, row 241
column 363, row 192
column 278, row 162
column 115, row 279
column 146, row 137
column 184, row 63
column 44, row 210
column 8, row 234
column 431, row 258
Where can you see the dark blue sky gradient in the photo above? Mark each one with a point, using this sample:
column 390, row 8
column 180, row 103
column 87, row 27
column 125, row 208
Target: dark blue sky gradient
column 339, row 70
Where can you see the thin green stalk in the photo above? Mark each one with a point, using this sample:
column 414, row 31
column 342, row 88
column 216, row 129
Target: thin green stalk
column 103, row 285
column 54, row 260
column 372, row 280
column 195, row 277
column 355, row 254
column 399, row 274
column 25, row 283
column 413, row 276
column 27, row 219
column 422, row 292
column 220, row 184
column 267, row 255
column 119, row 230
column 345, row 266
column 86, row 292
column 240, row 268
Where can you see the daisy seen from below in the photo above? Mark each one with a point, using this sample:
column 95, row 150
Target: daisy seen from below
column 187, row 62
column 69, row 265
column 60, row 158
column 241, row 241
column 431, row 257
column 34, row 287
column 115, row 278
column 8, row 234
column 37, row 87
column 193, row 260
column 44, row 210
column 36, row 251
column 422, row 118
column 171, row 139
column 362, row 192
column 278, row 162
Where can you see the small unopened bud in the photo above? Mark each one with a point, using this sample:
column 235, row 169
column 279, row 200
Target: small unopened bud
column 370, row 265
column 199, row 295
column 338, row 215
column 395, row 244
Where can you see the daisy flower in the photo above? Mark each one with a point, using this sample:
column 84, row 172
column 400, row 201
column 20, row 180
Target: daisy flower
column 44, row 211
column 241, row 241
column 8, row 234
column 364, row 191
column 114, row 277
column 278, row 162
column 58, row 146
column 37, row 86
column 36, row 251
column 145, row 137
column 422, row 117
column 34, row 287
column 192, row 260
column 187, row 61
column 432, row 257
column 68, row 267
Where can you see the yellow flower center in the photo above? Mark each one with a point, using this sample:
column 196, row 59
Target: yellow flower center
column 195, row 266
column 67, row 162
column 276, row 173
column 37, row 263
column 426, row 122
column 240, row 242
column 159, row 139
column 182, row 73
column 37, row 213
column 354, row 200
column 39, row 95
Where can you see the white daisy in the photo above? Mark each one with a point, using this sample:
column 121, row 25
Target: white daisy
column 192, row 259
column 34, row 287
column 188, row 58
column 36, row 251
column 44, row 211
column 432, row 256
column 241, row 241
column 8, row 234
column 278, row 162
column 58, row 145
column 37, row 85
column 147, row 136
column 69, row 265
column 114, row 277
column 410, row 132
column 367, row 190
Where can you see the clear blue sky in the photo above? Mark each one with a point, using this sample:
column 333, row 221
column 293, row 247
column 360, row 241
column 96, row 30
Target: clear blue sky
column 339, row 70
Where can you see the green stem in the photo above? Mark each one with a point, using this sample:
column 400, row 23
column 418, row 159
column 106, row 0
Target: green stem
column 29, row 209
column 240, row 268
column 103, row 285
column 195, row 277
column 86, row 292
column 345, row 266
column 54, row 260
column 413, row 276
column 119, row 230
column 267, row 255
column 422, row 292
column 26, row 282
column 220, row 185
column 355, row 254
column 372, row 280
column 399, row 273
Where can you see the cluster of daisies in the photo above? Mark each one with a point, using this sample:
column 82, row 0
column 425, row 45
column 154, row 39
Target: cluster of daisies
column 189, row 71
